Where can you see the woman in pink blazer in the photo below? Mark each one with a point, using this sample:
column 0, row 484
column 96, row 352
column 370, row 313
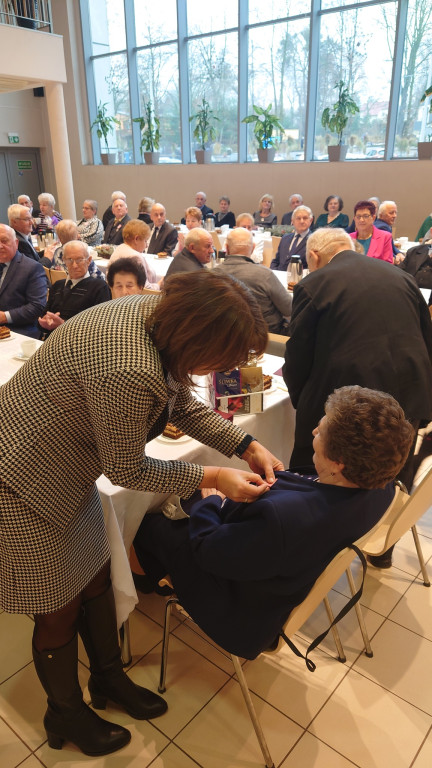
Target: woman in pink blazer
column 376, row 242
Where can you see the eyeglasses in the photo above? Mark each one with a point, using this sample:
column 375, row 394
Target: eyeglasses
column 76, row 261
column 363, row 217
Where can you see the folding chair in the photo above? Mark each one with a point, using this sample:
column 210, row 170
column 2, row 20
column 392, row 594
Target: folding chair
column 337, row 566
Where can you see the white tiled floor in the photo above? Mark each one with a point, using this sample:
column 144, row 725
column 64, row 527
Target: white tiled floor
column 371, row 713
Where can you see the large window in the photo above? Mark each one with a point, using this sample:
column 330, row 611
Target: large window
column 287, row 53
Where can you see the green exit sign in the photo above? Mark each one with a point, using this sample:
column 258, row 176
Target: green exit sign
column 13, row 138
column 24, row 165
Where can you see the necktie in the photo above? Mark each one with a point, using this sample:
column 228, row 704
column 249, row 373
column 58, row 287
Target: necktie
column 2, row 266
column 156, row 232
column 294, row 243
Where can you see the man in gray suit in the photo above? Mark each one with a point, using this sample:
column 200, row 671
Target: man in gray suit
column 274, row 300
column 21, row 221
column 23, row 286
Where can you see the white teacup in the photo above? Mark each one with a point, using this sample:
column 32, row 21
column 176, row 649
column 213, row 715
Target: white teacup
column 28, row 347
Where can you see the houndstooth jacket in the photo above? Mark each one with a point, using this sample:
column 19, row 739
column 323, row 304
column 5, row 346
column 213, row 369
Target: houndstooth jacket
column 86, row 404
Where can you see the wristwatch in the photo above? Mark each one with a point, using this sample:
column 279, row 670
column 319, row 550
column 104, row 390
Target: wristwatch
column 245, row 443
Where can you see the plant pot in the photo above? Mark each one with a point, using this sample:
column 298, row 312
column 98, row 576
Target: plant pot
column 424, row 149
column 337, row 152
column 108, row 158
column 151, row 158
column 203, row 156
column 266, row 155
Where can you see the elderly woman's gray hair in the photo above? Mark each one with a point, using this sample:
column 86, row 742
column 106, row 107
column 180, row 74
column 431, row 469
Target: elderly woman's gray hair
column 92, row 203
column 46, row 197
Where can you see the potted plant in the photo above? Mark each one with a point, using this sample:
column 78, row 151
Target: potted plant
column 204, row 132
column 265, row 126
column 424, row 148
column 335, row 118
column 150, row 135
column 104, row 124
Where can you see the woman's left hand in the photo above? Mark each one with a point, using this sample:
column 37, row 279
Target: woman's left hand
column 262, row 461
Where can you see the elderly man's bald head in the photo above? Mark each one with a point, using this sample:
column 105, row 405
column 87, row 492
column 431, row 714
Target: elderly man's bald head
column 239, row 241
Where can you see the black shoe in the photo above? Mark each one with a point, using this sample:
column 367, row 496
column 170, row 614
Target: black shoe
column 84, row 728
column 138, row 702
column 108, row 680
column 68, row 718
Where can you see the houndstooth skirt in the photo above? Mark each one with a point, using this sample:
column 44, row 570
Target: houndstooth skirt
column 43, row 568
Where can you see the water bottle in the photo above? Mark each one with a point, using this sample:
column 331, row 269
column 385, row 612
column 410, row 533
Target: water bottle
column 296, row 269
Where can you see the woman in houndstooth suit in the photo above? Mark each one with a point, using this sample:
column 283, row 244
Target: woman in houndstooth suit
column 102, row 386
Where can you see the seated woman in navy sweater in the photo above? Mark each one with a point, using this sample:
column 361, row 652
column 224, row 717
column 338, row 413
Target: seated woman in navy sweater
column 238, row 569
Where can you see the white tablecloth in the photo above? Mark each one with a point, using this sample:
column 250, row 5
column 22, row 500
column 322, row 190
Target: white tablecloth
column 124, row 509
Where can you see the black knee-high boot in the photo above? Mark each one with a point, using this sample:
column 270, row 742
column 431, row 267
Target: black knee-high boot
column 108, row 680
column 68, row 718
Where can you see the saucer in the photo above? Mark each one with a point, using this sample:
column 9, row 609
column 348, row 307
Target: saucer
column 21, row 357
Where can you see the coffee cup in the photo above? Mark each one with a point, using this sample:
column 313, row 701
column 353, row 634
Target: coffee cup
column 28, row 347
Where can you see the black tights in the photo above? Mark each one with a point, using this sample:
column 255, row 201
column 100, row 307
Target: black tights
column 54, row 630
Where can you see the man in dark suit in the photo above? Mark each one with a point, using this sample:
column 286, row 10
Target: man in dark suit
column 108, row 214
column 197, row 252
column 200, row 202
column 21, row 221
column 163, row 238
column 80, row 291
column 295, row 242
column 294, row 200
column 355, row 320
column 23, row 286
column 114, row 231
column 387, row 215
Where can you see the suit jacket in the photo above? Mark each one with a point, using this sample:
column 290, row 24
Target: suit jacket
column 283, row 255
column 23, row 294
column 25, row 247
column 418, row 263
column 86, row 403
column 380, row 245
column 114, row 232
column 273, row 298
column 356, row 321
column 185, row 261
column 165, row 241
column 239, row 569
column 381, row 224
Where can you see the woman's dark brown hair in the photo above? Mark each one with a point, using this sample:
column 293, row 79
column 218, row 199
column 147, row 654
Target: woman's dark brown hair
column 365, row 204
column 206, row 319
column 367, row 431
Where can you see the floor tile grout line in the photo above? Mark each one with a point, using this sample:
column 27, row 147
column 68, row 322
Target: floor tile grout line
column 420, row 748
column 393, row 693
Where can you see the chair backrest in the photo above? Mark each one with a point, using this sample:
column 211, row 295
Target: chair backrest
column 150, row 291
column 276, row 344
column 275, row 244
column 216, row 241
column 57, row 274
column 400, row 519
column 328, row 578
column 47, row 273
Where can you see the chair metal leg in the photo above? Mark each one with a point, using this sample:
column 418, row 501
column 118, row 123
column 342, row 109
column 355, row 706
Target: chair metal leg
column 125, row 646
column 164, row 658
column 426, row 581
column 252, row 713
column 360, row 619
column 335, row 632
